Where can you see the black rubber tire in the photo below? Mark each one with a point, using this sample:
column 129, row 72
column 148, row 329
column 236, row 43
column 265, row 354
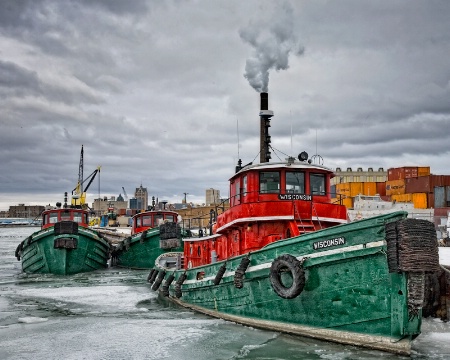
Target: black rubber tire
column 165, row 287
column 152, row 279
column 219, row 274
column 240, row 272
column 178, row 284
column 159, row 280
column 150, row 274
column 289, row 263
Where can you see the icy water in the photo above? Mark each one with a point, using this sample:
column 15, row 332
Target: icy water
column 112, row 314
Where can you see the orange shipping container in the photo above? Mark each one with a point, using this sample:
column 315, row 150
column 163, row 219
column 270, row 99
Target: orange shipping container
column 423, row 171
column 402, row 198
column 395, row 187
column 420, row 200
column 356, row 188
column 369, row 188
column 348, row 202
column 343, row 189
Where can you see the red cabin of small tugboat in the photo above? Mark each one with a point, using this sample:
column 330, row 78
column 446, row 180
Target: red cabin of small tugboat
column 150, row 219
column 53, row 216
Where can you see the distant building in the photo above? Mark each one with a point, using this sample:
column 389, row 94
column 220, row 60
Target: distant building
column 136, row 204
column 100, row 206
column 360, row 175
column 212, row 196
column 25, row 211
column 141, row 195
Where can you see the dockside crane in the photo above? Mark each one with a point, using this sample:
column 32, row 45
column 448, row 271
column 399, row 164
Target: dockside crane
column 79, row 193
column 125, row 196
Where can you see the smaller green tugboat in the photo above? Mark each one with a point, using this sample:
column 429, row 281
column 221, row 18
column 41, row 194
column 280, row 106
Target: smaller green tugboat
column 64, row 245
column 153, row 233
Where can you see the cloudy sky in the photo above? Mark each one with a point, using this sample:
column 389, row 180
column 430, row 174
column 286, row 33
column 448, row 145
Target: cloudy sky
column 166, row 93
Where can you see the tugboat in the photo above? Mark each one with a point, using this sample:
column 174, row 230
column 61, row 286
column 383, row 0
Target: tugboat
column 153, row 233
column 284, row 258
column 64, row 245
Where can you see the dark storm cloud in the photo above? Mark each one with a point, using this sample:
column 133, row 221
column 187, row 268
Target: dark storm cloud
column 17, row 80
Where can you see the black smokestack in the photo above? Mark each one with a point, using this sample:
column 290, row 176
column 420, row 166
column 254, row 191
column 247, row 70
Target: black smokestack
column 264, row 101
column 265, row 115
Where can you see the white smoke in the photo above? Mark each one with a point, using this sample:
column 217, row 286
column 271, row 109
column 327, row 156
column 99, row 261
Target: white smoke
column 273, row 40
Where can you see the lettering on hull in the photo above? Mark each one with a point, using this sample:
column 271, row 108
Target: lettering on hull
column 294, row 197
column 328, row 243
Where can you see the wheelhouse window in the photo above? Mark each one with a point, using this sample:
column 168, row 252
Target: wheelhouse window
column 146, row 221
column 235, row 192
column 138, row 221
column 159, row 219
column 170, row 218
column 77, row 217
column 317, row 184
column 53, row 218
column 295, row 182
column 269, row 182
column 65, row 216
column 244, row 185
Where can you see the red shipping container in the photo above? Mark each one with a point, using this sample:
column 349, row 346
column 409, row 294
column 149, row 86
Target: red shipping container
column 426, row 183
column 442, row 212
column 401, row 173
column 381, row 188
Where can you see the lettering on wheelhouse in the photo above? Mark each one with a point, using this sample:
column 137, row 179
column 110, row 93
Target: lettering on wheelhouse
column 328, row 243
column 294, row 197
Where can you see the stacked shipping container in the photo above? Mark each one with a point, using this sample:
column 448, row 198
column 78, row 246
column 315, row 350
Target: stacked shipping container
column 413, row 184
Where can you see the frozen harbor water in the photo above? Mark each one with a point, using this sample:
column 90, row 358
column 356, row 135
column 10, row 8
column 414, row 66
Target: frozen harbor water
column 112, row 314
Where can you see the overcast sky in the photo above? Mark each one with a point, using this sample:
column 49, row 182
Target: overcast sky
column 166, row 93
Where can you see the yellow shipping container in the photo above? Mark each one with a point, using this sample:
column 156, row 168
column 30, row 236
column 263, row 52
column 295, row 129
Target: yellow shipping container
column 369, row 188
column 356, row 188
column 420, row 200
column 402, row 198
column 348, row 202
column 423, row 171
column 343, row 189
column 395, row 187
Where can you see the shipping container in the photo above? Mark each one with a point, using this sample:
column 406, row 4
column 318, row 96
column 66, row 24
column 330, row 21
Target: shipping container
column 423, row 171
column 348, row 202
column 430, row 200
column 356, row 188
column 405, row 198
column 402, row 173
column 420, row 200
column 442, row 212
column 343, row 189
column 381, row 188
column 441, row 196
column 395, row 187
column 369, row 188
column 426, row 183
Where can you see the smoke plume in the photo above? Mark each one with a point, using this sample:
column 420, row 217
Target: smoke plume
column 273, row 41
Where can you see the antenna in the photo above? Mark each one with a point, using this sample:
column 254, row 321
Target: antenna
column 237, row 130
column 316, row 142
column 290, row 112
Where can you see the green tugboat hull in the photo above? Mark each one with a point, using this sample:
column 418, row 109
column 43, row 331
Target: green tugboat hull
column 45, row 252
column 141, row 250
column 349, row 284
